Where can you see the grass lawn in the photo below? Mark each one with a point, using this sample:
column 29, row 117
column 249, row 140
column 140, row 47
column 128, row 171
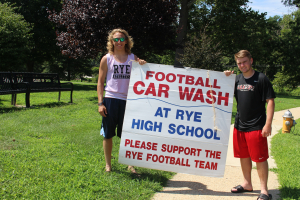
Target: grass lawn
column 286, row 151
column 53, row 151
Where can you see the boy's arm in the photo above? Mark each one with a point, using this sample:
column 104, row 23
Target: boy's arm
column 267, row 129
column 100, row 85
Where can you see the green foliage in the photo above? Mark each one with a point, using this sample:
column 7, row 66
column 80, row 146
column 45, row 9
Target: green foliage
column 43, row 41
column 14, row 38
column 201, row 52
column 289, row 75
column 54, row 151
column 286, row 151
column 86, row 25
column 284, row 82
column 232, row 26
column 166, row 57
column 285, row 101
column 291, row 2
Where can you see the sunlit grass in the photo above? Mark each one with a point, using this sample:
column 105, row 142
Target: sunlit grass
column 54, row 151
column 286, row 151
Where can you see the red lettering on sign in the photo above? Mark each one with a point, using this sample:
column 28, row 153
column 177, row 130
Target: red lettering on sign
column 206, row 165
column 199, row 96
column 171, row 80
column 127, row 141
column 186, row 93
column 151, row 89
column 199, row 81
column 136, row 85
column 149, row 74
column 189, row 80
column 135, row 155
column 137, row 144
column 180, row 149
column 180, row 77
column 161, row 78
column 210, row 94
column 163, row 89
column 213, row 154
column 168, row 160
column 221, row 98
column 141, row 144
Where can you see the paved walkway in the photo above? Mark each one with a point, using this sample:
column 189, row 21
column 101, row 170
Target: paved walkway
column 185, row 186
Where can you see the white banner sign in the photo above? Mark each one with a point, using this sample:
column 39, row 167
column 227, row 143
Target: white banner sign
column 177, row 119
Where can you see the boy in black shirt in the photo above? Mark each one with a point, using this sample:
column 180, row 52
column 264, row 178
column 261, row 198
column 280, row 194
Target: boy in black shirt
column 252, row 126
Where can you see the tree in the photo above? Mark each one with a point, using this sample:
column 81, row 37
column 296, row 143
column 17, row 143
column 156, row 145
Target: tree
column 84, row 25
column 14, row 38
column 200, row 52
column 291, row 2
column 289, row 75
column 43, row 41
column 233, row 26
column 182, row 29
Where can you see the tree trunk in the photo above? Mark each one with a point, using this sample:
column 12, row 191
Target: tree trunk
column 182, row 30
column 30, row 66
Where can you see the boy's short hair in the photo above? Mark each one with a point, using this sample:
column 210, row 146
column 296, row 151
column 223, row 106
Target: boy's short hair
column 242, row 54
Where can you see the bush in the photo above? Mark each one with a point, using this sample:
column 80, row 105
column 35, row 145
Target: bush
column 14, row 38
column 201, row 52
column 284, row 83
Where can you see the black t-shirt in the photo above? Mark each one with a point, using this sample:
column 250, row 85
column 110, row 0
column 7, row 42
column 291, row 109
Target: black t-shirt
column 251, row 95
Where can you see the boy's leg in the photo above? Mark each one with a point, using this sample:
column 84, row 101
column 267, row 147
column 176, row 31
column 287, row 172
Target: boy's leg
column 240, row 149
column 263, row 173
column 246, row 165
column 108, row 129
column 122, row 106
column 259, row 153
column 107, row 147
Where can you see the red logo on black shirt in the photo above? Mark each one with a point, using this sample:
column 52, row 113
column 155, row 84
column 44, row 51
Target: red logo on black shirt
column 245, row 87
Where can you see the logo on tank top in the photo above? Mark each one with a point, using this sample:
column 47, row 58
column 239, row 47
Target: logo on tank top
column 245, row 87
column 121, row 72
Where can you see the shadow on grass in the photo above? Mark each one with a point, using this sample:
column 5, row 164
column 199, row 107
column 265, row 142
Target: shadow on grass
column 3, row 100
column 93, row 99
column 289, row 193
column 285, row 96
column 152, row 177
column 82, row 87
column 162, row 180
column 23, row 108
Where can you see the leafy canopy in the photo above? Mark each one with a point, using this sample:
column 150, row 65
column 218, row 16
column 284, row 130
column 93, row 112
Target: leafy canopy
column 84, row 25
column 14, row 38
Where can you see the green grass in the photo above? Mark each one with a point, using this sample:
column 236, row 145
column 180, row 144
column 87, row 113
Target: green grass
column 54, row 151
column 286, row 151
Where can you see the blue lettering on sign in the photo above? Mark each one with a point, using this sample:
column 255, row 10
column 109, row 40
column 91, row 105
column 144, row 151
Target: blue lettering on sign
column 207, row 134
column 180, row 114
column 178, row 129
column 196, row 132
column 172, row 128
column 197, row 116
column 192, row 131
column 146, row 125
column 160, row 113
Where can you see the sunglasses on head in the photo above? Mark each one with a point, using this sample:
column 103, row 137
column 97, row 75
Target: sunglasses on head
column 117, row 39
